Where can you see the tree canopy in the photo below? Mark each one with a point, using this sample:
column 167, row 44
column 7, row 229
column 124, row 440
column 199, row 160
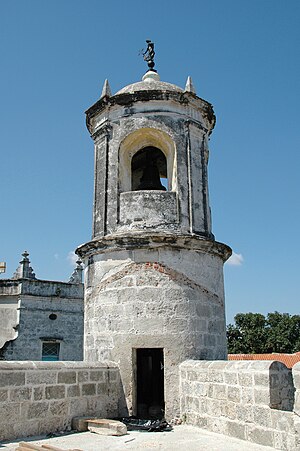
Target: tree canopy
column 254, row 333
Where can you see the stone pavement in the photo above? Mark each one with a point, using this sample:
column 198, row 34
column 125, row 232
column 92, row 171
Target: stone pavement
column 180, row 438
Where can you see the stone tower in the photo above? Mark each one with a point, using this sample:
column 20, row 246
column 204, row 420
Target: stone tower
column 154, row 293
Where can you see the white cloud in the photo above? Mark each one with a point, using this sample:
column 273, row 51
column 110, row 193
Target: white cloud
column 235, row 259
column 56, row 256
column 72, row 258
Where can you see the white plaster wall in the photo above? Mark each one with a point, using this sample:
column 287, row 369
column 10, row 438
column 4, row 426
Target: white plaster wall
column 132, row 301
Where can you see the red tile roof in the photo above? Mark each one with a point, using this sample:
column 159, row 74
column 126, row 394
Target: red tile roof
column 288, row 359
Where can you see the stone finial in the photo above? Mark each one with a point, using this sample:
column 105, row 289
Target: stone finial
column 76, row 276
column 24, row 270
column 189, row 87
column 106, row 91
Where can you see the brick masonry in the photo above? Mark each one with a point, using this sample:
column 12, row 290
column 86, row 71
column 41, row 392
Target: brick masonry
column 43, row 397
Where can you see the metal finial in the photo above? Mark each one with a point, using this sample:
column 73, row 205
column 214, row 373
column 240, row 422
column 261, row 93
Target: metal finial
column 25, row 255
column 148, row 55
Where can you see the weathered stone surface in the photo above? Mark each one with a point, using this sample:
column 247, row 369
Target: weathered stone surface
column 39, row 406
column 66, row 377
column 55, row 392
column 261, row 436
column 80, row 424
column 107, row 427
column 20, row 394
column 245, row 412
column 38, row 410
column 73, row 391
column 10, row 378
column 26, row 304
column 88, row 389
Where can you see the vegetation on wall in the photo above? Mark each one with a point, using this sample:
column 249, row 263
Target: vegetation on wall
column 254, row 333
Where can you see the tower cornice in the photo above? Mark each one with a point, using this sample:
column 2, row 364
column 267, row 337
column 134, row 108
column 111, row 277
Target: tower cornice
column 146, row 240
column 129, row 99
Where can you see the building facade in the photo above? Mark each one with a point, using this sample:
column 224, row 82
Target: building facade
column 41, row 319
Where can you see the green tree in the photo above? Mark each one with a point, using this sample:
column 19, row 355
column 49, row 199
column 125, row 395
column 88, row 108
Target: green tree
column 253, row 333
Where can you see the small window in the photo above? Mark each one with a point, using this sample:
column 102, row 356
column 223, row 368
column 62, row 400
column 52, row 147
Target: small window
column 50, row 351
column 149, row 170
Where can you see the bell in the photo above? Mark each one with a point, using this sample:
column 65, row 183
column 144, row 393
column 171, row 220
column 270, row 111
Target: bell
column 150, row 178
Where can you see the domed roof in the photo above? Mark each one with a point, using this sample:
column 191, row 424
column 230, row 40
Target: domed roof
column 150, row 81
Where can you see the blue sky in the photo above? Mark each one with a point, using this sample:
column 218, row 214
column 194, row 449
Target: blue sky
column 243, row 56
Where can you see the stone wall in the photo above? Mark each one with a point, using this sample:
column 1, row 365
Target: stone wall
column 25, row 309
column 43, row 397
column 258, row 401
column 173, row 301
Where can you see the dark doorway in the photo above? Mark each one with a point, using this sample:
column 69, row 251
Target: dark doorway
column 150, row 383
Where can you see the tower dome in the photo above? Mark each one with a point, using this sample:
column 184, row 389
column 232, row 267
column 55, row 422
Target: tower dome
column 150, row 82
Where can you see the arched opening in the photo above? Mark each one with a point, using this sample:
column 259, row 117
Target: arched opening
column 149, row 170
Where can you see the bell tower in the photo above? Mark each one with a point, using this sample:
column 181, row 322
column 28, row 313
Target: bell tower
column 154, row 292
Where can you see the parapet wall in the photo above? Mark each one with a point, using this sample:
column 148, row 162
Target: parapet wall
column 43, row 397
column 258, row 401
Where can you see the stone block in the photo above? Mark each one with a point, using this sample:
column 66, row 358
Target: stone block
column 10, row 412
column 66, row 377
column 214, row 407
column 282, row 421
column 26, row 428
column 12, row 378
column 53, row 424
column 3, row 395
column 20, row 394
column 83, row 376
column 200, row 389
column 217, row 425
column 244, row 413
column 97, row 376
column 245, row 379
column 247, row 395
column 262, row 416
column 234, row 393
column 59, row 408
column 73, row 391
column 112, row 375
column 230, row 378
column 38, row 410
column 78, row 407
column 261, row 436
column 229, row 409
column 201, row 421
column 41, row 377
column 88, row 389
column 262, row 379
column 219, row 391
column 107, row 427
column 38, row 393
column 280, row 440
column 7, row 431
column 80, row 424
column 261, row 396
column 236, row 429
column 55, row 392
column 215, row 376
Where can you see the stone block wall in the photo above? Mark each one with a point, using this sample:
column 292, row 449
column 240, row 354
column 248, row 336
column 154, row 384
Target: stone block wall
column 43, row 397
column 250, row 400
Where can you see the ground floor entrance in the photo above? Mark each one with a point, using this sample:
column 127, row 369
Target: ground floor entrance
column 150, row 383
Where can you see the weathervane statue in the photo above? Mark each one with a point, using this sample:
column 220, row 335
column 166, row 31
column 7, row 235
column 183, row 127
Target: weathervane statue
column 149, row 55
